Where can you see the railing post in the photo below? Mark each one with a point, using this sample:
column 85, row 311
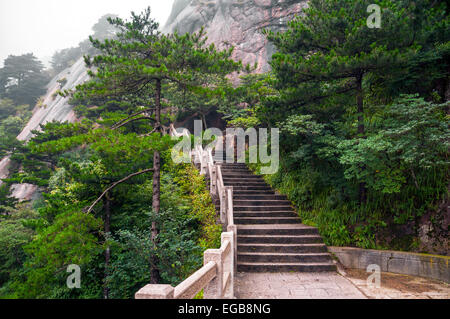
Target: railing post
column 213, row 180
column 223, row 207
column 228, row 264
column 233, row 229
column 222, row 195
column 204, row 164
column 214, row 289
column 155, row 292
column 229, row 205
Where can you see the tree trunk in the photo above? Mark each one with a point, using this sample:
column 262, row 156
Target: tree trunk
column 204, row 121
column 361, row 132
column 107, row 224
column 155, row 276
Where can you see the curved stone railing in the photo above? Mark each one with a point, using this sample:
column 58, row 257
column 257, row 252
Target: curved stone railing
column 216, row 277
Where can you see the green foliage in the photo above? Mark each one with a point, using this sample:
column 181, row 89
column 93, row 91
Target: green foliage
column 69, row 240
column 12, row 120
column 14, row 235
column 178, row 251
column 22, row 79
column 198, row 199
column 412, row 136
column 130, row 66
column 393, row 146
column 66, row 235
column 243, row 106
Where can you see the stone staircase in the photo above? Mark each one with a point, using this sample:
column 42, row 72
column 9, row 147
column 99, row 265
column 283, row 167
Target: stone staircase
column 270, row 235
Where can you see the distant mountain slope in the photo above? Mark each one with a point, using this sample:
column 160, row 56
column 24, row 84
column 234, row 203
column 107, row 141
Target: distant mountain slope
column 53, row 106
column 235, row 22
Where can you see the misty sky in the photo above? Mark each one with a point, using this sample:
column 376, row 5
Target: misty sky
column 44, row 26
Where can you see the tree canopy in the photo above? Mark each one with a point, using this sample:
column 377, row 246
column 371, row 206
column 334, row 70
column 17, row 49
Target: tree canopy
column 22, row 79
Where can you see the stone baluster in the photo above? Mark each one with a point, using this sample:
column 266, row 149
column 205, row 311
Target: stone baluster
column 213, row 180
column 214, row 290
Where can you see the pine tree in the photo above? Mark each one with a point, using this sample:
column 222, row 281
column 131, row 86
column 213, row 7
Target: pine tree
column 330, row 50
column 139, row 67
column 22, row 79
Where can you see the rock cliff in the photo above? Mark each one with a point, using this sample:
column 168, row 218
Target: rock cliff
column 235, row 22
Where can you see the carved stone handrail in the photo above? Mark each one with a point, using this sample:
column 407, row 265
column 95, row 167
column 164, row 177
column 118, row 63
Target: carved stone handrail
column 216, row 277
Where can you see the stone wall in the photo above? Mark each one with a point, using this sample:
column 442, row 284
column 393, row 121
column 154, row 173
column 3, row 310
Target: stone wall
column 422, row 265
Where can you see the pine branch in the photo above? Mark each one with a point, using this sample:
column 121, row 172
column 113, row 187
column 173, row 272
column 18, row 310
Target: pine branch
column 115, row 184
column 132, row 115
column 133, row 120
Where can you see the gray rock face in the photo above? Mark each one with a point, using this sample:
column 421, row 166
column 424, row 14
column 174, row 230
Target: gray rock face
column 235, row 22
column 55, row 107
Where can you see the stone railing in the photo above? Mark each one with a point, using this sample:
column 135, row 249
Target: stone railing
column 216, row 277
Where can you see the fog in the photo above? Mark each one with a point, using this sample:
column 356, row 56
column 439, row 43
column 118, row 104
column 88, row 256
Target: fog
column 44, row 26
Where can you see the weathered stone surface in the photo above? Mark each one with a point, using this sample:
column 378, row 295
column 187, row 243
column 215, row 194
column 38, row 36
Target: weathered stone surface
column 424, row 265
column 235, row 22
column 189, row 288
column 155, row 292
column 295, row 286
column 55, row 107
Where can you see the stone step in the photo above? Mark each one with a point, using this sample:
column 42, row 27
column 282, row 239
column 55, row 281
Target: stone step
column 245, row 192
column 270, row 235
column 236, row 170
column 264, row 214
column 255, row 196
column 281, row 207
column 252, row 188
column 286, row 267
column 282, row 248
column 266, row 220
column 284, row 257
column 279, row 239
column 277, row 230
column 255, row 202
column 240, row 177
column 243, row 183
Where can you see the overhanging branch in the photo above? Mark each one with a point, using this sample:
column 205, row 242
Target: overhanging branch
column 133, row 120
column 129, row 117
column 115, row 184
